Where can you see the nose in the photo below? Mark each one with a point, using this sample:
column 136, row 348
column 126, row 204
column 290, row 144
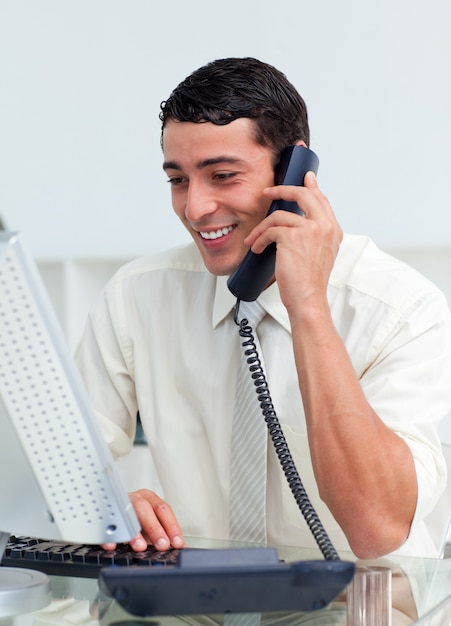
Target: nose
column 200, row 202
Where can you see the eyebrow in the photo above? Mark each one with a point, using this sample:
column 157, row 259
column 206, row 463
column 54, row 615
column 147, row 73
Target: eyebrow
column 168, row 165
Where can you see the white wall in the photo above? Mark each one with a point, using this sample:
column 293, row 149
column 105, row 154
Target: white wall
column 81, row 82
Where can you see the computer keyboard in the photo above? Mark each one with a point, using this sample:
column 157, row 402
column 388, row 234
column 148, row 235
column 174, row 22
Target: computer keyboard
column 63, row 559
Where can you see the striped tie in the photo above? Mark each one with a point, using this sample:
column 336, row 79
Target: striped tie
column 249, row 449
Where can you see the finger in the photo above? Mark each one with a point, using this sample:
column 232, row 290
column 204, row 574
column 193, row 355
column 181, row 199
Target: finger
column 138, row 544
column 303, row 195
column 263, row 233
column 158, row 523
column 313, row 203
column 310, row 180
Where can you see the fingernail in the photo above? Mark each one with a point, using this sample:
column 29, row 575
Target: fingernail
column 161, row 544
column 139, row 543
column 177, row 541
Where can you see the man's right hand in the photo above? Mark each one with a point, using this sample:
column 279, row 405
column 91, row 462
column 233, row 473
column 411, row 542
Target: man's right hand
column 159, row 526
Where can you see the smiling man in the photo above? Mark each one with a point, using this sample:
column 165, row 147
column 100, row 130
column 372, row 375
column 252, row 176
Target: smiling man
column 217, row 174
column 357, row 346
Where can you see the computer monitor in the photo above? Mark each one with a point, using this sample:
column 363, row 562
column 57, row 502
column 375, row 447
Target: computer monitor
column 58, row 479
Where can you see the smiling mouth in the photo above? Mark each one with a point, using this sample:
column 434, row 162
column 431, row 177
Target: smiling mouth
column 216, row 234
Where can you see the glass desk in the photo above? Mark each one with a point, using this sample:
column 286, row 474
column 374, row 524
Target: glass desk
column 420, row 594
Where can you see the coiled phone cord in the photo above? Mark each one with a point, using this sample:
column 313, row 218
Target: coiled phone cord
column 279, row 441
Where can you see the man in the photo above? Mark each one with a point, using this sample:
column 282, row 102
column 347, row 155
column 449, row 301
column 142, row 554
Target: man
column 357, row 347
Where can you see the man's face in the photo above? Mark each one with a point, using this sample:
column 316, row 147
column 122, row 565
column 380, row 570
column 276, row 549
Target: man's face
column 217, row 174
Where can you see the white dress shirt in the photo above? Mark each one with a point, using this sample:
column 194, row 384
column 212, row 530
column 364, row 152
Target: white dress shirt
column 162, row 340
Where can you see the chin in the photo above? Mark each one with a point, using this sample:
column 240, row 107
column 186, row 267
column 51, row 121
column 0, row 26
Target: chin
column 219, row 267
column 217, row 271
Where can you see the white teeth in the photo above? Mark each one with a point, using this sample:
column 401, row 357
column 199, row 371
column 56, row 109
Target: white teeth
column 215, row 234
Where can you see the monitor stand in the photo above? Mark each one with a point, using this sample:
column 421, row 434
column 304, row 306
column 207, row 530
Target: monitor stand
column 21, row 590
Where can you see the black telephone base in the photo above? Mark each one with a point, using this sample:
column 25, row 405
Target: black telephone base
column 243, row 580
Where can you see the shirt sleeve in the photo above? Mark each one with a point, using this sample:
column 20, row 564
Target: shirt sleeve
column 409, row 386
column 107, row 375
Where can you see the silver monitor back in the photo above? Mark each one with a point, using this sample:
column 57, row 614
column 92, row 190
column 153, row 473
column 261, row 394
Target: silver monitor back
column 58, row 479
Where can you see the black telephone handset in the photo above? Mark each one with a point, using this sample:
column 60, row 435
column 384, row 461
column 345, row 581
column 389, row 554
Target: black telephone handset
column 256, row 270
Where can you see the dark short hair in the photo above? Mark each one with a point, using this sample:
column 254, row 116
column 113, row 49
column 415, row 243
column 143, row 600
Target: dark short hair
column 227, row 89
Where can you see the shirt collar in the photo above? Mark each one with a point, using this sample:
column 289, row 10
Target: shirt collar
column 269, row 299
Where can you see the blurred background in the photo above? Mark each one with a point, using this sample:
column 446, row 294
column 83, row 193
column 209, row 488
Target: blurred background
column 80, row 87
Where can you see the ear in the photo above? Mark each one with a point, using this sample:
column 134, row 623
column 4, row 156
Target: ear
column 301, row 143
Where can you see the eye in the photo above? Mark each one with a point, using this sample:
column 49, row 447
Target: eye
column 224, row 175
column 175, row 181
